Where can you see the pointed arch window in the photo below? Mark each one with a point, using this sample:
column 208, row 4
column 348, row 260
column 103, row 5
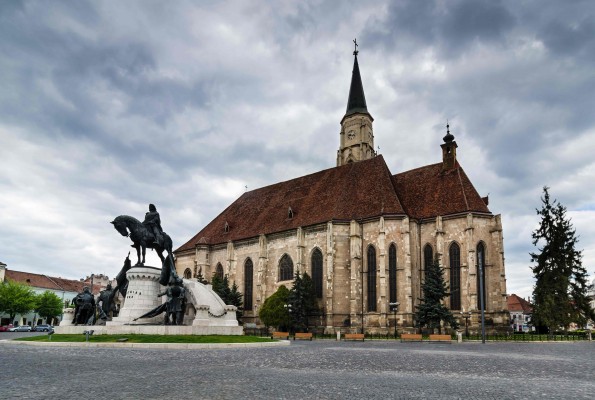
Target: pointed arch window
column 481, row 276
column 219, row 271
column 285, row 268
column 371, row 278
column 187, row 273
column 455, row 276
column 428, row 257
column 392, row 273
column 317, row 272
column 248, row 283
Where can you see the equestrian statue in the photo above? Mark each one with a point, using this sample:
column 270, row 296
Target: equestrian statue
column 149, row 234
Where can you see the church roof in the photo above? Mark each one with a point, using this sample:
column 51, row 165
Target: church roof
column 358, row 190
column 352, row 191
column 356, row 102
column 429, row 191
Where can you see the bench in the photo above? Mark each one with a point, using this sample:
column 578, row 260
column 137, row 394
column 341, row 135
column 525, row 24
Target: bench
column 440, row 338
column 411, row 337
column 280, row 335
column 353, row 336
column 303, row 336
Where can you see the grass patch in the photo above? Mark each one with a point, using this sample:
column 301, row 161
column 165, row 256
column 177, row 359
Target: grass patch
column 148, row 338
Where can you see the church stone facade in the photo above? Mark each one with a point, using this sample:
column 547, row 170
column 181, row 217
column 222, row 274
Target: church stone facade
column 363, row 234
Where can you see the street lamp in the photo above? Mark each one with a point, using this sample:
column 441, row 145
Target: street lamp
column 394, row 307
column 466, row 315
column 288, row 308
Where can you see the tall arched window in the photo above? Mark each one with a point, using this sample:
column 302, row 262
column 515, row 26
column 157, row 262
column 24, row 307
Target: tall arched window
column 392, row 273
column 371, row 278
column 455, row 276
column 248, row 279
column 428, row 257
column 285, row 268
column 317, row 272
column 187, row 273
column 219, row 271
column 481, row 276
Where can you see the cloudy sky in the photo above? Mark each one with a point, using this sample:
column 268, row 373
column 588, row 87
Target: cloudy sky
column 106, row 106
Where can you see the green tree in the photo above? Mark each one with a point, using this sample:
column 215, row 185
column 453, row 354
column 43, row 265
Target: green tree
column 302, row 301
column 560, row 294
column 49, row 305
column 274, row 311
column 431, row 310
column 200, row 278
column 16, row 298
column 236, row 299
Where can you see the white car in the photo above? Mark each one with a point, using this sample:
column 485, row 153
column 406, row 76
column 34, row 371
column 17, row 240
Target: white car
column 22, row 328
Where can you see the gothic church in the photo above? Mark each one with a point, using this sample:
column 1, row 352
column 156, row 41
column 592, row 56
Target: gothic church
column 363, row 234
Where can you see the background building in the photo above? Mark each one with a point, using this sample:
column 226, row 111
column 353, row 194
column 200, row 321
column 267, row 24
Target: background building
column 66, row 289
column 363, row 234
column 520, row 313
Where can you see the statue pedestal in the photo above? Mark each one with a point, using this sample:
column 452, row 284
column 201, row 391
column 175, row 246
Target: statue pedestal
column 141, row 297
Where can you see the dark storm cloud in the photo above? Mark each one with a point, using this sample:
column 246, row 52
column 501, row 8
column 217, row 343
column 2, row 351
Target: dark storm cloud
column 105, row 107
column 449, row 27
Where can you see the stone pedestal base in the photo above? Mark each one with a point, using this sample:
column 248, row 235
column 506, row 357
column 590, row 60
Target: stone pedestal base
column 141, row 297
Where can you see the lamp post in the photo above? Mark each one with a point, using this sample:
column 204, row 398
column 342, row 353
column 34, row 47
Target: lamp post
column 466, row 315
column 288, row 308
column 394, row 307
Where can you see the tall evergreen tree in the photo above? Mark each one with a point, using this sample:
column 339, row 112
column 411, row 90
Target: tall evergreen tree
column 560, row 295
column 302, row 301
column 431, row 311
column 236, row 299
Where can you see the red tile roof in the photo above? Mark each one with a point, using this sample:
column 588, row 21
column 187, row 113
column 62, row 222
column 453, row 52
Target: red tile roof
column 48, row 282
column 358, row 190
column 428, row 192
column 516, row 303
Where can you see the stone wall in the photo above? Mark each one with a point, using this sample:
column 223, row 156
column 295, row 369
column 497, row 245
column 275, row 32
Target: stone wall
column 344, row 247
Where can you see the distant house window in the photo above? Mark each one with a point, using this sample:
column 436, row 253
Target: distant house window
column 455, row 276
column 371, row 278
column 285, row 268
column 248, row 281
column 392, row 273
column 187, row 273
column 219, row 271
column 481, row 277
column 317, row 272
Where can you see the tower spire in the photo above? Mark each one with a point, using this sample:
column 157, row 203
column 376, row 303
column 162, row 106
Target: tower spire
column 357, row 136
column 357, row 100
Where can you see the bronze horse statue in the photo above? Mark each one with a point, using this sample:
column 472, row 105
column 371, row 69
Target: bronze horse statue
column 142, row 237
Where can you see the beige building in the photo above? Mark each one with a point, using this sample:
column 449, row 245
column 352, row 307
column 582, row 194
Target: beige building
column 363, row 234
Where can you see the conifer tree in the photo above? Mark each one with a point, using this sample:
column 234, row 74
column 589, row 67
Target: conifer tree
column 274, row 311
column 431, row 311
column 236, row 299
column 200, row 278
column 560, row 294
column 302, row 301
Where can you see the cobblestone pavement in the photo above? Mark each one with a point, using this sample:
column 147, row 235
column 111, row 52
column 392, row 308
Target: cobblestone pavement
column 321, row 369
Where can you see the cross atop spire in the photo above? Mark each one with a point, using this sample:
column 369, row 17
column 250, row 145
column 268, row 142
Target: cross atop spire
column 355, row 52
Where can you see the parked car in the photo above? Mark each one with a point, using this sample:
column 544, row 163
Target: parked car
column 44, row 328
column 22, row 328
column 5, row 328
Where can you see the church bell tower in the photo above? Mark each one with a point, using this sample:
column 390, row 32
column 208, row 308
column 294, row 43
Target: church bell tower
column 357, row 136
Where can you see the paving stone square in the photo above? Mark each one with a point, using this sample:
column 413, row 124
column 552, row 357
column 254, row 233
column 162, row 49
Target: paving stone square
column 321, row 369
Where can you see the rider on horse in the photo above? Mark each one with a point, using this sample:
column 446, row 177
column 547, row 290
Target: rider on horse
column 153, row 223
